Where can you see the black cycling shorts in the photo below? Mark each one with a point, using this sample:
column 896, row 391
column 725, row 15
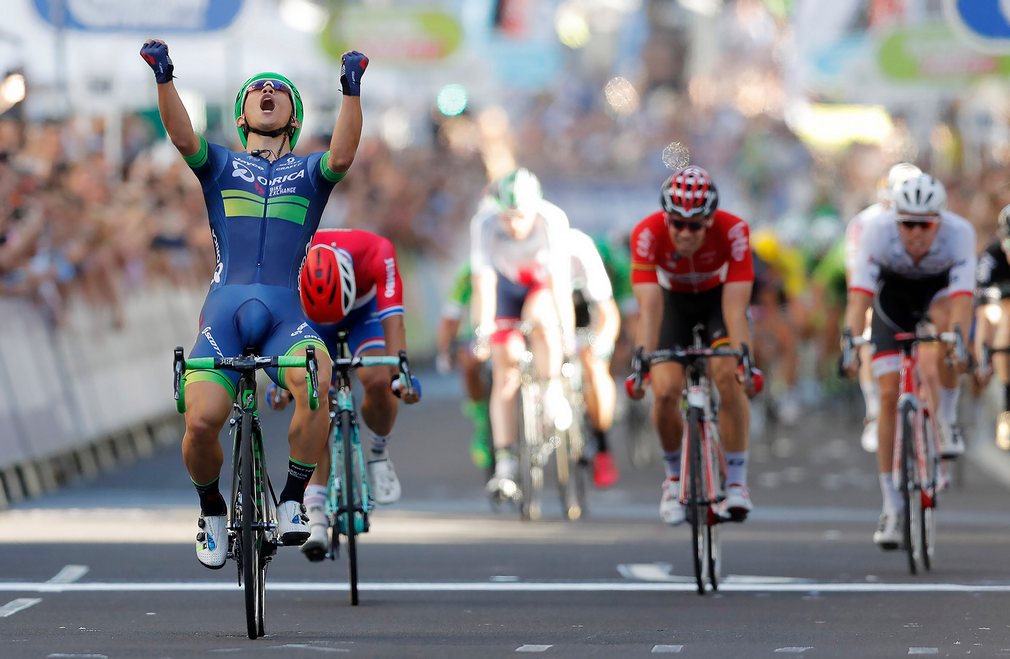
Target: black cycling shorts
column 682, row 311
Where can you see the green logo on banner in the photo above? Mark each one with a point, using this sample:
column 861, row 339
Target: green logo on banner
column 398, row 36
column 933, row 54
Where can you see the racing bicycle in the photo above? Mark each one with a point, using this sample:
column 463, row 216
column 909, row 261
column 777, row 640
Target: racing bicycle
column 252, row 518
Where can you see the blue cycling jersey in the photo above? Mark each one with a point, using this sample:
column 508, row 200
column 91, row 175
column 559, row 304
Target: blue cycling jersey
column 262, row 214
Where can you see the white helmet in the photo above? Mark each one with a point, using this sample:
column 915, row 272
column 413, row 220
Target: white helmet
column 919, row 195
column 897, row 174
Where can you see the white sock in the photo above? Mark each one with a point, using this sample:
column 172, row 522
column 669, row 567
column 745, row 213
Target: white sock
column 315, row 495
column 379, row 443
column 892, row 500
column 948, row 404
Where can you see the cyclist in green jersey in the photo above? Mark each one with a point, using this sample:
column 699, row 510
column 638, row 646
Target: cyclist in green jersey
column 451, row 347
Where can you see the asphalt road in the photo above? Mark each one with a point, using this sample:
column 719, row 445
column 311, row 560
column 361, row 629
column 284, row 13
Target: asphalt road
column 106, row 568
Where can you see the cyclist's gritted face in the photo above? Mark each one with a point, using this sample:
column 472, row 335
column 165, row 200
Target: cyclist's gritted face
column 518, row 222
column 687, row 234
column 268, row 105
column 917, row 233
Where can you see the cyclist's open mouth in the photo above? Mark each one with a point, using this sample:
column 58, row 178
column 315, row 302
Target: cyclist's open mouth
column 267, row 103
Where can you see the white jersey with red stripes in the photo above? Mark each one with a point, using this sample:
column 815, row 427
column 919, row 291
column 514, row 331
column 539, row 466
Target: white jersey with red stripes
column 525, row 261
column 376, row 273
column 854, row 229
column 881, row 252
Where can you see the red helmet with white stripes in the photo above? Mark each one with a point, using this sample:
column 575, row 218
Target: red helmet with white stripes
column 689, row 192
column 327, row 284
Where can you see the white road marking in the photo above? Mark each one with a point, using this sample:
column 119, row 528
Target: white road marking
column 656, row 649
column 795, row 649
column 79, row 656
column 520, row 587
column 923, row 650
column 306, row 646
column 20, row 604
column 69, row 574
column 533, row 648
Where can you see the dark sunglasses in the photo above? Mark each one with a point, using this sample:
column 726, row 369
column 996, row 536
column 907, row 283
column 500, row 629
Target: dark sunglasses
column 278, row 85
column 680, row 225
column 925, row 225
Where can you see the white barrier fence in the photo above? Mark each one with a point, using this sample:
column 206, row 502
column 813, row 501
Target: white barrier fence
column 65, row 391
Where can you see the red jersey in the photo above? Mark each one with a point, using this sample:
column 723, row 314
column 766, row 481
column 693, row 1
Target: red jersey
column 375, row 272
column 724, row 256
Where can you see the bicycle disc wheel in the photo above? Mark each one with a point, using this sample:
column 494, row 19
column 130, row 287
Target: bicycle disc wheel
column 350, row 496
column 250, row 546
column 909, row 495
column 697, row 511
column 530, row 468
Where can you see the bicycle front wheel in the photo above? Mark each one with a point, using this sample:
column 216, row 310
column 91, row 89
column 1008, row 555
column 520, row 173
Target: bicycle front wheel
column 697, row 510
column 531, row 467
column 909, row 490
column 250, row 548
column 928, row 494
column 715, row 484
column 349, row 504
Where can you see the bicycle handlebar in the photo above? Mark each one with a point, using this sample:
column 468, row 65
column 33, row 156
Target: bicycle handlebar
column 246, row 364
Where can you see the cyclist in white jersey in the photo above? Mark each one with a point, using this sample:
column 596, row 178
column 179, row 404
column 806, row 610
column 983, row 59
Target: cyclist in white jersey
column 867, row 383
column 915, row 261
column 521, row 272
column 596, row 312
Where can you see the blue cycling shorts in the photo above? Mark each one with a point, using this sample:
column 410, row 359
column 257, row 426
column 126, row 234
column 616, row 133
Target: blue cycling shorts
column 363, row 327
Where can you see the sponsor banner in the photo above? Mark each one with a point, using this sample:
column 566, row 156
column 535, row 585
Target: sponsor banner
column 395, row 36
column 133, row 15
column 983, row 24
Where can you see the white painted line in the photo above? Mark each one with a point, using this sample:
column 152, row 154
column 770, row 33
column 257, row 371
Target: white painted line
column 306, row 646
column 795, row 649
column 78, row 656
column 656, row 649
column 69, row 574
column 647, row 572
column 20, row 604
column 522, row 587
column 923, row 650
column 533, row 648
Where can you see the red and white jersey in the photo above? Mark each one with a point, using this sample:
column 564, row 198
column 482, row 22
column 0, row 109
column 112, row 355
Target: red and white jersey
column 881, row 253
column 724, row 256
column 376, row 274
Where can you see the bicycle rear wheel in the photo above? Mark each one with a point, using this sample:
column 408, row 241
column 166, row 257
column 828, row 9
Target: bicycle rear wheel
column 349, row 504
column 250, row 547
column 909, row 491
column 571, row 483
column 530, row 462
column 697, row 511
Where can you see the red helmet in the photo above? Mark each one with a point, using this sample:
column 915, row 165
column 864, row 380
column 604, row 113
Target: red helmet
column 327, row 284
column 689, row 192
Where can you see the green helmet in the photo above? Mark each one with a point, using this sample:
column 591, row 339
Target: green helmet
column 296, row 102
column 519, row 189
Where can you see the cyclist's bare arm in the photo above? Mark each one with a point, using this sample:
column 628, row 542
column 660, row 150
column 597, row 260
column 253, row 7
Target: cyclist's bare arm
column 855, row 310
column 176, row 120
column 735, row 300
column 346, row 134
column 396, row 340
column 482, row 305
column 608, row 324
column 650, row 306
column 447, row 329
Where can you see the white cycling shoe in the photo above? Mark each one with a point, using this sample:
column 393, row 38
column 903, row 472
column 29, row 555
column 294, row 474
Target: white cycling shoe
column 291, row 523
column 888, row 535
column 318, row 543
column 671, row 510
column 212, row 541
column 384, row 485
column 737, row 504
column 869, row 439
column 951, row 441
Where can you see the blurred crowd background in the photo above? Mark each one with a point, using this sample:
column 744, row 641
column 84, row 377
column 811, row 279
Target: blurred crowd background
column 94, row 210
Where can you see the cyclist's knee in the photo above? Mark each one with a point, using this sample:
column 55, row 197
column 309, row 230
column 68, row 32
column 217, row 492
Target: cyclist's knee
column 376, row 383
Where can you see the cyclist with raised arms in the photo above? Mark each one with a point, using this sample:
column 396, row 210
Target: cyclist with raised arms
column 993, row 288
column 264, row 203
column 521, row 272
column 692, row 264
column 597, row 315
column 914, row 262
column 853, row 230
column 351, row 283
